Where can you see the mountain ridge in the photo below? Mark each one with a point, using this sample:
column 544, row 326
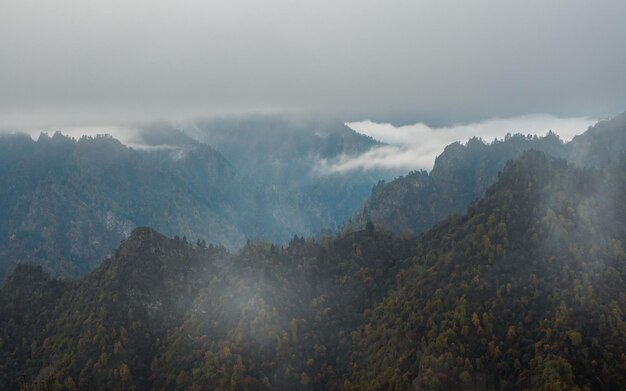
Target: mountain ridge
column 462, row 172
column 66, row 203
column 360, row 310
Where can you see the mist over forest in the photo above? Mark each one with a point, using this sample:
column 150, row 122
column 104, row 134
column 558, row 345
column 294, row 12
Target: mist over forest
column 240, row 195
column 479, row 273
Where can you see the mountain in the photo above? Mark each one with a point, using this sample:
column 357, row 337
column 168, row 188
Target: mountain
column 161, row 313
column 413, row 203
column 66, row 204
column 283, row 154
column 523, row 291
column 598, row 145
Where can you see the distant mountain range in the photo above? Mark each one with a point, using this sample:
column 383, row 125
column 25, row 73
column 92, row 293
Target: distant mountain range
column 66, row 204
column 283, row 153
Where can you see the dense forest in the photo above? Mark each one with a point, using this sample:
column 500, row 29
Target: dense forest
column 523, row 291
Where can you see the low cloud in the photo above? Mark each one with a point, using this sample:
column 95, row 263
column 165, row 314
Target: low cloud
column 416, row 146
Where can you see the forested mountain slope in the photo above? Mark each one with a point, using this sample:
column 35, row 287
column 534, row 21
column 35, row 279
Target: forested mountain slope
column 163, row 313
column 525, row 290
column 599, row 145
column 461, row 174
column 413, row 203
column 67, row 203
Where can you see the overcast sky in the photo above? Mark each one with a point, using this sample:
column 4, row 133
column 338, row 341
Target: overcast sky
column 71, row 62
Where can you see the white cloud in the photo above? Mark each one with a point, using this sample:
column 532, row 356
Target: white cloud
column 416, row 146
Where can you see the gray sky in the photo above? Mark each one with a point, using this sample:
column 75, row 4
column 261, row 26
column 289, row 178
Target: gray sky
column 95, row 62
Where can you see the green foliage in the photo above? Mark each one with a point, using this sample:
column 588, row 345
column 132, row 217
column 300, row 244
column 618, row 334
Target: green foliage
column 163, row 313
column 515, row 295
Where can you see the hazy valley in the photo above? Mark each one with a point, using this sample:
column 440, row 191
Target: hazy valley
column 503, row 267
column 237, row 195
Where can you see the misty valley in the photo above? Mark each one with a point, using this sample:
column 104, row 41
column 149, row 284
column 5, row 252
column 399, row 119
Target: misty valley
column 227, row 256
column 240, row 195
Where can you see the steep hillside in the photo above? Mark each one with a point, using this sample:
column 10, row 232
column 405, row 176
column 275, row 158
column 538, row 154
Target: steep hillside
column 525, row 290
column 461, row 174
column 66, row 204
column 600, row 144
column 413, row 203
column 162, row 313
